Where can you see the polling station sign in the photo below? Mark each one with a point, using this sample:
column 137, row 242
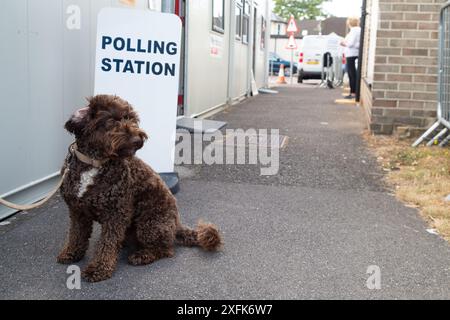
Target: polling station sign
column 138, row 59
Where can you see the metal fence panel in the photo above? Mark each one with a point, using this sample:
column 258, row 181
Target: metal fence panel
column 332, row 71
column 439, row 130
column 444, row 64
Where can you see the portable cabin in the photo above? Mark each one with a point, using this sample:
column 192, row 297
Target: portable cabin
column 47, row 61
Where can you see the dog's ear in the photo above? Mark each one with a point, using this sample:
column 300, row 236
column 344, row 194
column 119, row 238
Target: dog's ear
column 77, row 121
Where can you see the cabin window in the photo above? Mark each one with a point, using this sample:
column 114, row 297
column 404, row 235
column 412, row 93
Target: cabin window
column 246, row 22
column 238, row 21
column 218, row 21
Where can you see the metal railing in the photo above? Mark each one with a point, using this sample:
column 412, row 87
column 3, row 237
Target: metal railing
column 440, row 131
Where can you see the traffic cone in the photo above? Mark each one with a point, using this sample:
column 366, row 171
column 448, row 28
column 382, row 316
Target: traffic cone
column 281, row 78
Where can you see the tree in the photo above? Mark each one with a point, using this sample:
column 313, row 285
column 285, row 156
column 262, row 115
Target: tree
column 300, row 9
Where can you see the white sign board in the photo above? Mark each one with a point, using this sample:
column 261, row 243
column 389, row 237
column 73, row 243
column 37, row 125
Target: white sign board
column 292, row 26
column 292, row 44
column 138, row 59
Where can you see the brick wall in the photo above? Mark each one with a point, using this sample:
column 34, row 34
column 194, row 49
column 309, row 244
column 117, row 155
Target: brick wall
column 404, row 88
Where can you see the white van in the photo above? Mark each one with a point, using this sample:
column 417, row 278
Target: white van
column 311, row 55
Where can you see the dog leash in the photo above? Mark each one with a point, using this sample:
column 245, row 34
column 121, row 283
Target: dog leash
column 73, row 151
column 36, row 204
column 40, row 203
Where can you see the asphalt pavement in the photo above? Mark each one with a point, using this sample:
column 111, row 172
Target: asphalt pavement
column 309, row 232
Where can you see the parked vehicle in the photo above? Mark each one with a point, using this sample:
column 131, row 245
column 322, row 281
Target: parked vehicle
column 275, row 61
column 311, row 55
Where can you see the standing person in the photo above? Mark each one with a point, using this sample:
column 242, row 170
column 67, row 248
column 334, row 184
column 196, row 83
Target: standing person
column 351, row 44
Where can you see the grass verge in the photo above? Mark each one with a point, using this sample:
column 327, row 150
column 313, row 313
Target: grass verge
column 419, row 177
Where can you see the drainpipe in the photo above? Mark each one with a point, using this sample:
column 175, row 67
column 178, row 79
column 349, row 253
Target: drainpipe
column 361, row 50
column 231, row 52
column 187, row 11
column 250, row 49
column 267, row 44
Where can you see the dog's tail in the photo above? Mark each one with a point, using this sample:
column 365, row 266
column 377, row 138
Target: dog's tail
column 206, row 236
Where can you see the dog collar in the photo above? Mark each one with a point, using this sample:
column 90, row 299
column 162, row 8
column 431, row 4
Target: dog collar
column 84, row 158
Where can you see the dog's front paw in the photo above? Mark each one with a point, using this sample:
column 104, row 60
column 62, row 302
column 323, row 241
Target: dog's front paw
column 94, row 273
column 66, row 257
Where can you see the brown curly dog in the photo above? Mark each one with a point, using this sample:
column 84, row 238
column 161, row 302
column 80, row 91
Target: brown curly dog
column 108, row 184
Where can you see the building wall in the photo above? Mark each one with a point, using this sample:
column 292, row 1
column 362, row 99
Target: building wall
column 335, row 24
column 260, row 44
column 207, row 72
column 240, row 77
column 368, row 66
column 404, row 88
column 278, row 28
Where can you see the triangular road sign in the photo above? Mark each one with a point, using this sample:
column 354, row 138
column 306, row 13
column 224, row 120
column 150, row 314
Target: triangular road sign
column 292, row 44
column 292, row 26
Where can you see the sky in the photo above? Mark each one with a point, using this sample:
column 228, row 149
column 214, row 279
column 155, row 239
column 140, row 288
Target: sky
column 344, row 8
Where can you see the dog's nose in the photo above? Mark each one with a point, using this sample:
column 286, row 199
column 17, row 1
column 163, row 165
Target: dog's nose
column 137, row 142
